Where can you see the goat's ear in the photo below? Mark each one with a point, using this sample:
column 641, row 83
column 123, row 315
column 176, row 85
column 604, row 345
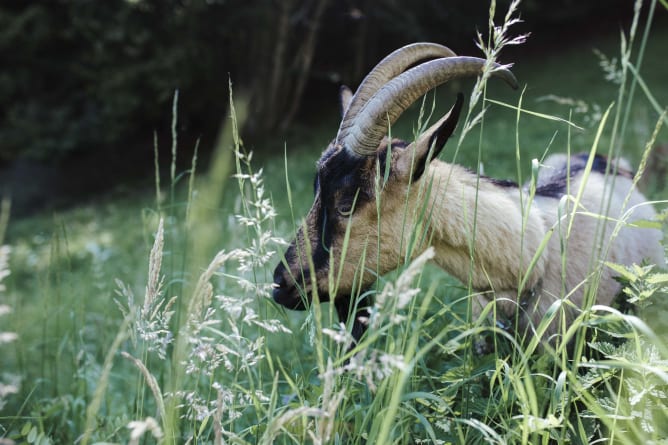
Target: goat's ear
column 413, row 160
column 346, row 96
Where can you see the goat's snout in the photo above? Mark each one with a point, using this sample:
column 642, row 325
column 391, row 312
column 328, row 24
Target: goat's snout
column 285, row 290
column 280, row 283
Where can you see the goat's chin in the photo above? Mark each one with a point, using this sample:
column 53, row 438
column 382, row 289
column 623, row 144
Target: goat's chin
column 293, row 304
column 292, row 298
column 289, row 298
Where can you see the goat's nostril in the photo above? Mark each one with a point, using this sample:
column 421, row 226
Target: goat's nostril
column 287, row 292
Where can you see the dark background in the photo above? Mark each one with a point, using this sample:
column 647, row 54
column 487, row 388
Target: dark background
column 85, row 84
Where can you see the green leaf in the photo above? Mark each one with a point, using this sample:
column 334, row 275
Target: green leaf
column 645, row 224
column 622, row 271
column 658, row 278
column 26, row 429
column 32, row 435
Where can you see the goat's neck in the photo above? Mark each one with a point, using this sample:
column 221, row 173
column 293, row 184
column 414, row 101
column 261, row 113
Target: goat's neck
column 473, row 218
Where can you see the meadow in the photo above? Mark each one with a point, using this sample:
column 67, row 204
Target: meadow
column 146, row 317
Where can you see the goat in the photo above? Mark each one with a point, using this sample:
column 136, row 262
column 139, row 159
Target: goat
column 380, row 202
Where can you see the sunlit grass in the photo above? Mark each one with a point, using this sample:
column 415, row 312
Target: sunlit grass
column 197, row 351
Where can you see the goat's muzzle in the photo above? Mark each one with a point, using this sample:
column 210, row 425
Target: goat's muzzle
column 286, row 292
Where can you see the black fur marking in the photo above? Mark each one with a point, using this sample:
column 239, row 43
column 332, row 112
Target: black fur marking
column 342, row 181
column 503, row 183
column 557, row 185
column 284, row 293
column 600, row 163
column 338, row 183
column 553, row 189
column 439, row 137
column 320, row 251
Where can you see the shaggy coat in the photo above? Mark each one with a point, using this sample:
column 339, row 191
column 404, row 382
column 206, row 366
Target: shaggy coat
column 523, row 248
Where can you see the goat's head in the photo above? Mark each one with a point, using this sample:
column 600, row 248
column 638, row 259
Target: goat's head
column 353, row 231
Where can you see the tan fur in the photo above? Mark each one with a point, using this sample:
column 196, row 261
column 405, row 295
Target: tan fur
column 522, row 252
column 463, row 211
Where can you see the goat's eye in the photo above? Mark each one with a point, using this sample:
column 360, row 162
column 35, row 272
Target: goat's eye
column 345, row 210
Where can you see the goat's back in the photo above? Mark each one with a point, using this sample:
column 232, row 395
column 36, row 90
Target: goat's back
column 598, row 227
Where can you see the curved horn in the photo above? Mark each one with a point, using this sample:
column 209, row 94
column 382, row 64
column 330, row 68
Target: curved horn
column 390, row 67
column 363, row 134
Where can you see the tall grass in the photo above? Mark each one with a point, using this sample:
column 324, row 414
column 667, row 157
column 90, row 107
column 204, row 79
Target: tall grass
column 9, row 383
column 202, row 355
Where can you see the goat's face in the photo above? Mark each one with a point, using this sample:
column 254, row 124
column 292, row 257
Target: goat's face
column 340, row 229
column 344, row 194
column 355, row 228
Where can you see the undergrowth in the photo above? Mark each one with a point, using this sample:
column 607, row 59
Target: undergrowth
column 202, row 354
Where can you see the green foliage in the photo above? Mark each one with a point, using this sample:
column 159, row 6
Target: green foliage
column 81, row 76
column 142, row 325
column 82, row 72
column 9, row 382
column 641, row 283
column 636, row 410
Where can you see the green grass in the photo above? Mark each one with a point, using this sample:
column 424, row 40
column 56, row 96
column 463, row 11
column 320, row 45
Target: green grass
column 89, row 368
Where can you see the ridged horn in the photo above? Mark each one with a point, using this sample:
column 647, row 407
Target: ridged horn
column 390, row 67
column 363, row 134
